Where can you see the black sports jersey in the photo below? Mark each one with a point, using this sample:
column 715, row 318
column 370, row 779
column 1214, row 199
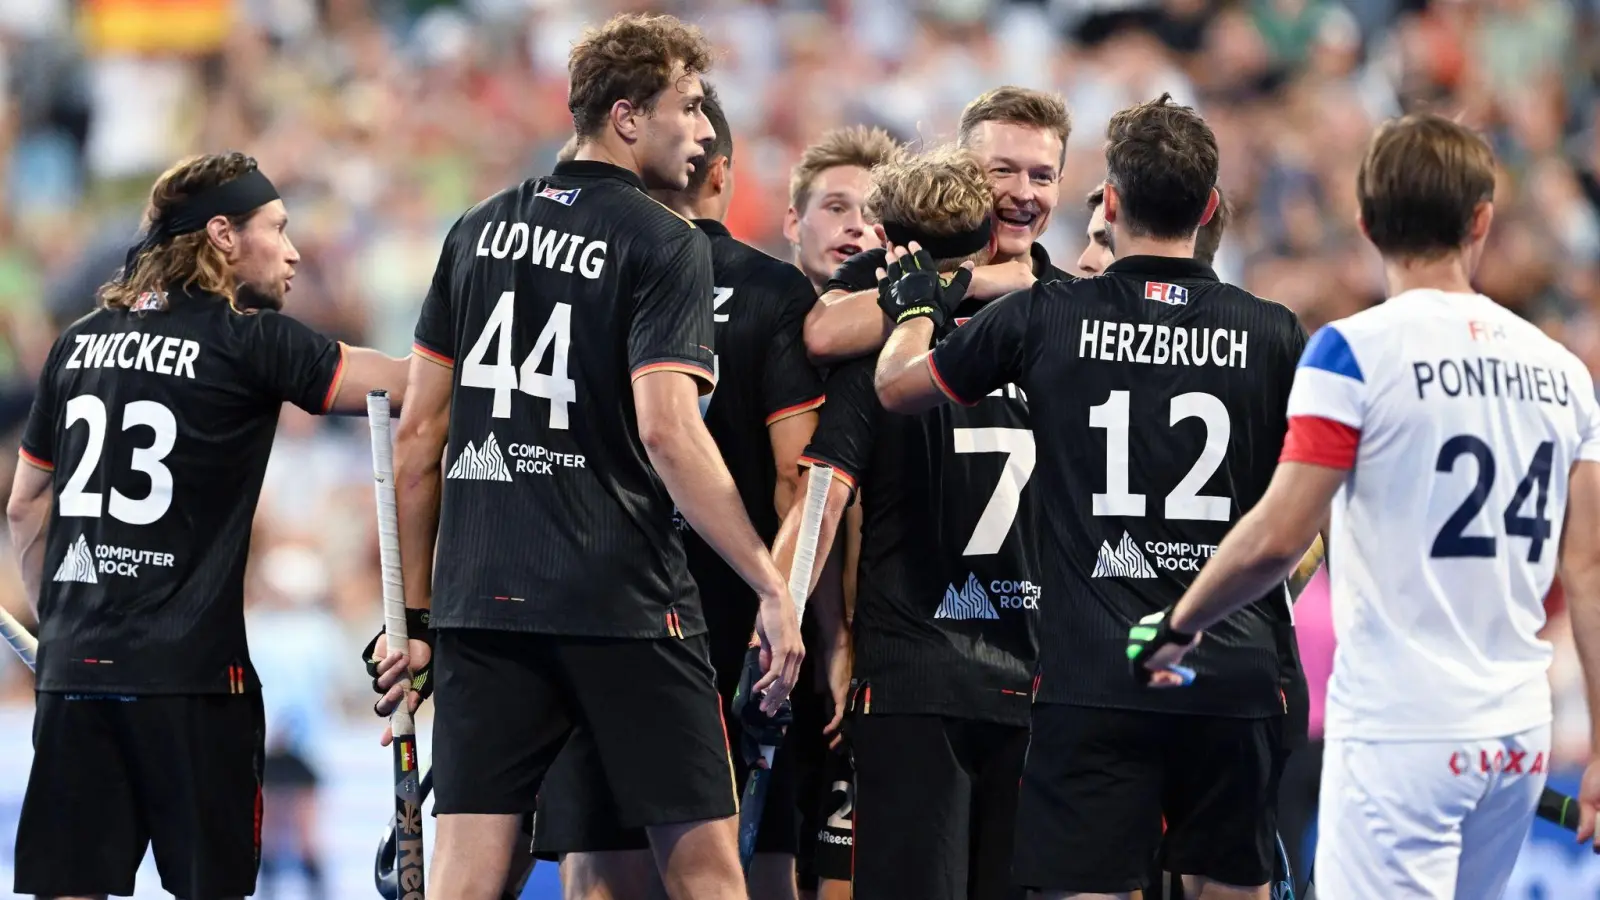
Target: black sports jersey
column 549, row 299
column 763, row 377
column 157, row 425
column 952, row 632
column 858, row 273
column 1158, row 399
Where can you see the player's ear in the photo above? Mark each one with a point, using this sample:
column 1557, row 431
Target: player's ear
column 720, row 175
column 1112, row 203
column 791, row 226
column 1482, row 218
column 222, row 235
column 1362, row 225
column 625, row 120
column 1211, row 207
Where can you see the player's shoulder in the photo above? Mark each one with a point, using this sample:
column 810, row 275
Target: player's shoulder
column 780, row 277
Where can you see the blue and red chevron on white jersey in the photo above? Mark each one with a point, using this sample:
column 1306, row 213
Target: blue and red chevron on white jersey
column 1459, row 424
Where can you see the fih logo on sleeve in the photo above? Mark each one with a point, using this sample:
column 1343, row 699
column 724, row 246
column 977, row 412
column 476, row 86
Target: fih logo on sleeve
column 1170, row 294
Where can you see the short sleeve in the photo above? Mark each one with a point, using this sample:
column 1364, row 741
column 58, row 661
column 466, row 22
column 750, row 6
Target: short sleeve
column 39, row 436
column 292, row 363
column 1328, row 403
column 671, row 328
column 789, row 385
column 848, row 423
column 985, row 353
column 1588, row 409
column 435, row 337
column 858, row 273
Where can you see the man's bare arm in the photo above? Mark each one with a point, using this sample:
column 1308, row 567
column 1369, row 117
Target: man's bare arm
column 903, row 380
column 28, row 513
column 1263, row 548
column 789, row 437
column 1580, row 578
column 845, row 325
column 789, row 532
column 367, row 370
column 418, row 458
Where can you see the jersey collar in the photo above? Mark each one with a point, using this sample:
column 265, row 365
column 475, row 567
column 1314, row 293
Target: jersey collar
column 1162, row 267
column 712, row 228
column 591, row 169
column 1043, row 268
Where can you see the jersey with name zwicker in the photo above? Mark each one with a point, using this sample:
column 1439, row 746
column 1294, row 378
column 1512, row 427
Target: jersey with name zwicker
column 1157, row 396
column 1460, row 423
column 548, row 300
column 157, row 425
column 948, row 586
column 763, row 376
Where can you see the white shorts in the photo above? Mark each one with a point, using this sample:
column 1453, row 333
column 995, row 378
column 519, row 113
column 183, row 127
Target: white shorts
column 1404, row 820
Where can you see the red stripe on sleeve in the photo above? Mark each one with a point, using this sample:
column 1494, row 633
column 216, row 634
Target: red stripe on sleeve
column 1321, row 442
column 938, row 380
column 36, row 462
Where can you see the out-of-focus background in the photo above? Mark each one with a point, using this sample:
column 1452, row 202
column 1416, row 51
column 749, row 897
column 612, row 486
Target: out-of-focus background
column 381, row 120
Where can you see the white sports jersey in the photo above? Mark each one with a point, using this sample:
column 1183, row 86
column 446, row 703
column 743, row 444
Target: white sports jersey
column 1459, row 423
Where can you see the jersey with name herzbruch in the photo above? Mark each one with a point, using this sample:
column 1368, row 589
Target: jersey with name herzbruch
column 1459, row 424
column 763, row 377
column 549, row 299
column 157, row 425
column 948, row 586
column 1157, row 396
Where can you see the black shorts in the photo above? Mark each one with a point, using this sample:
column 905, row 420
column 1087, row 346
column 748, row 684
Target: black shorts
column 505, row 704
column 832, row 823
column 112, row 776
column 1099, row 782
column 936, row 807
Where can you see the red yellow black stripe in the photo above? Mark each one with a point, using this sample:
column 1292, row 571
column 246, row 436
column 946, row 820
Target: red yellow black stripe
column 795, row 410
column 669, row 366
column 938, row 380
column 338, row 379
column 35, row 461
column 433, row 356
column 846, row 477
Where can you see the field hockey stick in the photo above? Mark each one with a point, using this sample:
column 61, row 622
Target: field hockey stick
column 26, row 645
column 771, row 729
column 407, row 792
column 1559, row 809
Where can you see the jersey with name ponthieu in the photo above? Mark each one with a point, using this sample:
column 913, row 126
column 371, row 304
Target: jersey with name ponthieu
column 549, row 299
column 948, row 585
column 1158, row 397
column 1459, row 423
column 157, row 425
column 763, row 377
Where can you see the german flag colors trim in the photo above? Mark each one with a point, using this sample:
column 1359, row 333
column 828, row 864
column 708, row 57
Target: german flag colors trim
column 35, row 461
column 795, row 410
column 938, row 381
column 432, row 356
column 338, row 379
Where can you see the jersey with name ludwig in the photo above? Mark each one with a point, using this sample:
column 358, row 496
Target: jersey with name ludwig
column 549, row 299
column 157, row 425
column 1459, row 423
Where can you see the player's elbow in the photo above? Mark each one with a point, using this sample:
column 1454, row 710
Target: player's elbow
column 661, row 432
column 899, row 392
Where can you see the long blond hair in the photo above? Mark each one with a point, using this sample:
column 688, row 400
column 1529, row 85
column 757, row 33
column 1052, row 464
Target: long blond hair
column 188, row 260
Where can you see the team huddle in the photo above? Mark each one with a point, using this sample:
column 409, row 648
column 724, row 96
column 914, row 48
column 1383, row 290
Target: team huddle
column 1049, row 645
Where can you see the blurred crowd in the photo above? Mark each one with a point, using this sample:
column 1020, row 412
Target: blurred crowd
column 381, row 120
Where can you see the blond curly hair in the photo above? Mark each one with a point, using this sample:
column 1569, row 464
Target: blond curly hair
column 943, row 191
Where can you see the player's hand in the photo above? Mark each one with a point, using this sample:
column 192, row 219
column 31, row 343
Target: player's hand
column 839, row 666
column 398, row 674
column 1154, row 651
column 1589, row 802
column 910, row 287
column 778, row 629
column 996, row 280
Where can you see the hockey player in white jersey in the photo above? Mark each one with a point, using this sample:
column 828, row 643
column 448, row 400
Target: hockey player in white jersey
column 1459, row 450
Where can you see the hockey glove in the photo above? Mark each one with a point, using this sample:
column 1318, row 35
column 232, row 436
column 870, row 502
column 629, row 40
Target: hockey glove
column 418, row 628
column 1147, row 637
column 913, row 288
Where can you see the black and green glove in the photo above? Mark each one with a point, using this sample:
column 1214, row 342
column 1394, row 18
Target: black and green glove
column 418, row 628
column 912, row 288
column 1147, row 637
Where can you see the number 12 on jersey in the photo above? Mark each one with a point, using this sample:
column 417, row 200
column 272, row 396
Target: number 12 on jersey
column 502, row 377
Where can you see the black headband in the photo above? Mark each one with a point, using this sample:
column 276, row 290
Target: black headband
column 943, row 246
column 246, row 193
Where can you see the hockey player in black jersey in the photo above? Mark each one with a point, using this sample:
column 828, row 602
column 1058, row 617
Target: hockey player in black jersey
column 947, row 590
column 1158, row 402
column 761, row 415
column 130, row 512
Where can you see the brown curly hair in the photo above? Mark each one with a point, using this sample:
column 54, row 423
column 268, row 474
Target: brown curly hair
column 943, row 191
column 632, row 57
column 189, row 260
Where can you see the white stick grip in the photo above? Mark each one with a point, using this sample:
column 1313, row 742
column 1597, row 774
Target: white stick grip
column 394, row 595
column 18, row 637
column 805, row 548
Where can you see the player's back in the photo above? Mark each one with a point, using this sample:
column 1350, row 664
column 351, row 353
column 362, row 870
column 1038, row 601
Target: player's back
column 1445, row 537
column 549, row 299
column 1157, row 395
column 158, row 424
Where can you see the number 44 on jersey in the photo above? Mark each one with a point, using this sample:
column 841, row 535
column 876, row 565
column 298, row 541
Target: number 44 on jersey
column 502, row 377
